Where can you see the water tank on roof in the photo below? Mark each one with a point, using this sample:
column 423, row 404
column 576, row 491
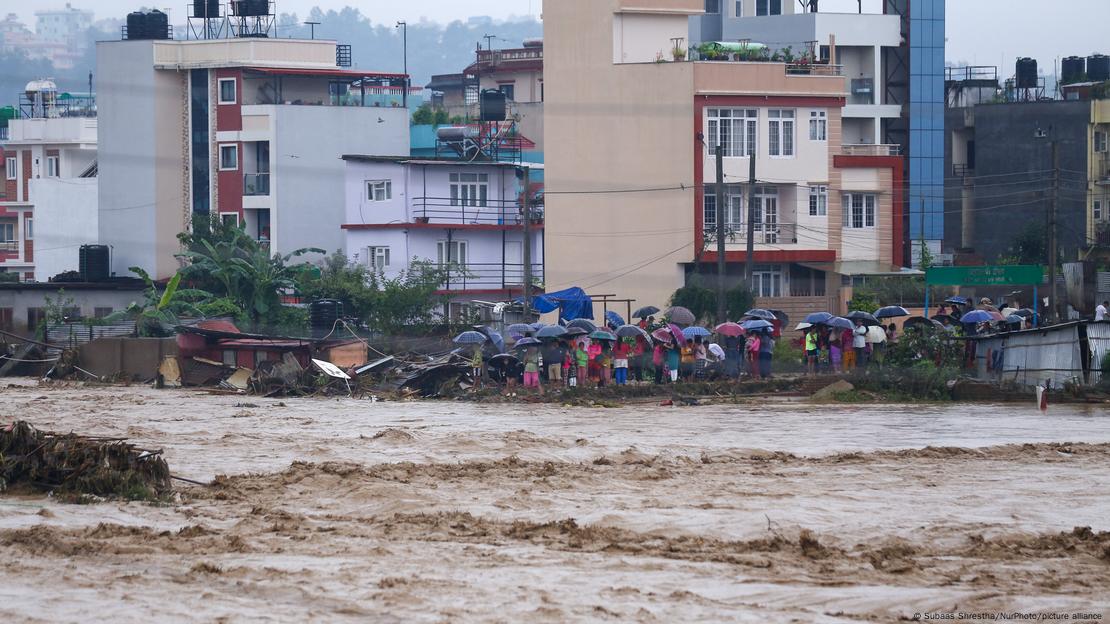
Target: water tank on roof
column 324, row 314
column 136, row 25
column 1072, row 69
column 157, row 25
column 206, row 8
column 1026, row 73
column 250, row 8
column 94, row 262
column 534, row 43
column 493, row 105
column 456, row 133
column 43, row 96
column 1098, row 67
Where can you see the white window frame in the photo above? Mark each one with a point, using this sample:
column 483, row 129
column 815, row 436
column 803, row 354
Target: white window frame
column 377, row 258
column 225, row 215
column 457, row 249
column 781, row 141
column 4, row 226
column 53, row 167
column 818, row 126
column 740, row 128
column 223, row 163
column 29, row 228
column 11, row 167
column 739, row 8
column 818, row 201
column 765, row 213
column 1096, row 210
column 734, row 215
column 1100, row 141
column 767, row 280
column 860, row 211
column 374, row 186
column 469, row 189
column 234, row 91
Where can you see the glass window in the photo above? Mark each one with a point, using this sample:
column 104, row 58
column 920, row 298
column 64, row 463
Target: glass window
column 7, row 231
column 859, row 210
column 767, row 280
column 229, row 157
column 732, row 128
column 768, row 7
column 739, row 8
column 734, row 202
column 377, row 258
column 712, row 6
column 1100, row 141
column 379, row 190
column 227, row 91
column 52, row 170
column 451, row 252
column 766, row 215
column 29, row 229
column 818, row 201
column 469, row 189
column 230, row 219
column 818, row 126
column 780, row 125
column 12, row 167
column 1097, row 210
column 509, row 90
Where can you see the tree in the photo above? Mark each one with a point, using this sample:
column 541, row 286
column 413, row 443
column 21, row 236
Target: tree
column 426, row 115
column 703, row 301
column 160, row 310
column 1029, row 247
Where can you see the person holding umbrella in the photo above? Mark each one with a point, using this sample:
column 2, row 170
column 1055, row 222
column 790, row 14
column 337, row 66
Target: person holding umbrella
column 532, row 368
column 476, row 366
column 553, row 356
column 811, row 350
column 859, row 343
column 671, row 357
column 621, row 354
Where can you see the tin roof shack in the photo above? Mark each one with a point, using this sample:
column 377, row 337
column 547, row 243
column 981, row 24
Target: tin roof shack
column 23, row 306
column 1055, row 356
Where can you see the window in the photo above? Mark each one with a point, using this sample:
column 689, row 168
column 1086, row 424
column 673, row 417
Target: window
column 35, row 317
column 818, row 126
column 1097, row 210
column 7, row 232
column 7, row 319
column 52, row 170
column 12, row 167
column 712, row 6
column 734, row 215
column 451, row 252
column 28, row 229
column 377, row 259
column 469, row 189
column 739, row 8
column 768, row 7
column 780, row 125
column 229, row 157
column 734, row 129
column 509, row 90
column 227, row 91
column 1100, row 141
column 818, row 201
column 859, row 211
column 102, row 312
column 230, row 219
column 379, row 190
column 765, row 214
column 767, row 280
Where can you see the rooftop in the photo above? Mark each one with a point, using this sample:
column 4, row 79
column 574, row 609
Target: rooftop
column 443, row 162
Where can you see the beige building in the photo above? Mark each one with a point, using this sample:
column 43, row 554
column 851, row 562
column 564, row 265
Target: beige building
column 630, row 164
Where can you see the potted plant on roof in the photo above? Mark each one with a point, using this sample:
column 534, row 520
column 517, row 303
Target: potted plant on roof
column 678, row 53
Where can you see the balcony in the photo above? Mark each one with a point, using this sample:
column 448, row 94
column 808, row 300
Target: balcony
column 5, row 134
column 962, row 170
column 491, row 213
column 256, row 185
column 494, row 276
column 765, row 233
column 871, row 150
column 11, row 247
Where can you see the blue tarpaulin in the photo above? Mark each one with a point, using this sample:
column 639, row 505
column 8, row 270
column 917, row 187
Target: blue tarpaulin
column 572, row 303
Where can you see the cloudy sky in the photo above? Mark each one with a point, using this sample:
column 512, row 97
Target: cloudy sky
column 981, row 32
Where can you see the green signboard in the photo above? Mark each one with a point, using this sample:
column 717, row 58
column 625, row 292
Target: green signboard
column 1018, row 275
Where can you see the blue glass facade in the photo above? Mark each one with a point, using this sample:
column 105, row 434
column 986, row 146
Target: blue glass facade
column 926, row 196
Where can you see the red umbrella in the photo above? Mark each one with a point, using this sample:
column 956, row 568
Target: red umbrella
column 663, row 334
column 676, row 331
column 730, row 329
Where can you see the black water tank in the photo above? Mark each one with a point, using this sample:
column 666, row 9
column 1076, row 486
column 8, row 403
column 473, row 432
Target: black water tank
column 1027, row 73
column 248, row 8
column 206, row 8
column 94, row 261
column 324, row 313
column 493, row 105
column 136, row 25
column 157, row 25
column 1098, row 67
column 1072, row 69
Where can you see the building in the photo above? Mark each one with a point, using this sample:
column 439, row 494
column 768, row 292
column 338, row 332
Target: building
column 249, row 130
column 630, row 179
column 894, row 62
column 466, row 217
column 23, row 307
column 62, row 25
column 48, row 209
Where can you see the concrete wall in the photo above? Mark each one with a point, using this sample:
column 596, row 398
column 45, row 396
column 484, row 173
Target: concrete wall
column 135, row 359
column 66, row 217
column 21, row 299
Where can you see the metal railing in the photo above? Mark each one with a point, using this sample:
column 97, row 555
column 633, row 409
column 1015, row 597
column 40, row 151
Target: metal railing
column 9, row 246
column 488, row 276
column 871, row 149
column 256, row 184
column 961, row 170
column 765, row 233
column 5, row 134
column 438, row 210
column 814, row 69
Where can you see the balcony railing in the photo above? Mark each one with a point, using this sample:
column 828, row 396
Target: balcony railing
column 765, row 233
column 438, row 210
column 256, row 184
column 490, row 276
column 5, row 134
column 9, row 246
column 962, row 170
column 869, row 149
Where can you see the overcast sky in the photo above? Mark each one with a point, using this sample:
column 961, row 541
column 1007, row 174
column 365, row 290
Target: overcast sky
column 980, row 32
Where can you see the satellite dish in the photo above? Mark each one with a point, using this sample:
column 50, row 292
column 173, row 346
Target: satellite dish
column 331, row 370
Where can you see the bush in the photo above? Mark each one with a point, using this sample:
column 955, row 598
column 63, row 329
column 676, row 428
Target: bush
column 789, row 357
column 1106, row 363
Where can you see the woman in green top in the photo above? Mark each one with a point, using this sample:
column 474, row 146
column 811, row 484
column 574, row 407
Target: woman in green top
column 582, row 361
column 811, row 350
column 532, row 368
column 476, row 366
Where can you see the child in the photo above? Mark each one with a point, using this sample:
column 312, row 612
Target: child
column 532, row 368
column 476, row 366
column 672, row 356
column 570, row 368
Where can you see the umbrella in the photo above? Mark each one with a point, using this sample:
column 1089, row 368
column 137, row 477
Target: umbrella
column 858, row 315
column 526, row 342
column 576, row 331
column 676, row 331
column 602, row 335
column 940, row 318
column 891, row 312
column 1015, row 319
column 995, row 315
column 503, row 360
column 497, row 339
column 519, row 329
column 802, row 326
column 645, row 312
column 552, row 331
column 585, row 324
column 717, row 351
column 1007, row 312
column 729, row 329
column 756, row 325
column 680, row 316
column 922, row 323
column 780, row 315
column 630, row 331
column 663, row 334
column 1026, row 312
column 613, row 320
column 958, row 300
column 817, row 318
column 876, row 335
column 694, row 332
column 470, row 338
column 538, row 326
column 976, row 316
column 760, row 313
column 839, row 322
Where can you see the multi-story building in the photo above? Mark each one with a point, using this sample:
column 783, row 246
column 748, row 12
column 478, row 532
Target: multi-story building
column 631, row 165
column 65, row 25
column 48, row 208
column 250, row 130
column 463, row 216
column 894, row 62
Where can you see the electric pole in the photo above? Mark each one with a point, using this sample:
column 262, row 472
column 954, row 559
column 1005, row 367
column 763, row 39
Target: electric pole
column 526, row 204
column 1053, row 253
column 404, row 26
column 721, row 212
column 750, row 259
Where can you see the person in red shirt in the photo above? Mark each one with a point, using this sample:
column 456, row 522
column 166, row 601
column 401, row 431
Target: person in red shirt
column 621, row 353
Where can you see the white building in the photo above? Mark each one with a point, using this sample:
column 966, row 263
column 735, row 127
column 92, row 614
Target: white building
column 48, row 208
column 251, row 130
column 456, row 214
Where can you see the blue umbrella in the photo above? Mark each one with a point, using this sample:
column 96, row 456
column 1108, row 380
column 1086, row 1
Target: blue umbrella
column 525, row 342
column 470, row 338
column 584, row 324
column 756, row 325
column 760, row 313
column 818, row 318
column 1015, row 319
column 976, row 316
column 520, row 329
column 958, row 300
column 602, row 335
column 537, row 326
column 552, row 331
column 631, row 331
column 840, row 323
column 693, row 332
column 613, row 320
column 494, row 337
column 891, row 312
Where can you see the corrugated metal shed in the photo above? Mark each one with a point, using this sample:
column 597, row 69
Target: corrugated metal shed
column 1098, row 336
column 76, row 334
column 1031, row 357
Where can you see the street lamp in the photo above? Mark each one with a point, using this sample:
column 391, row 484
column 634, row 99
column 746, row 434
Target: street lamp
column 313, row 26
column 404, row 26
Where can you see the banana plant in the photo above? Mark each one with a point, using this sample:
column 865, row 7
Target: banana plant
column 160, row 310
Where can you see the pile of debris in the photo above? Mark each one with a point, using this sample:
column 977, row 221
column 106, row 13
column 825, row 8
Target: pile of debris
column 76, row 467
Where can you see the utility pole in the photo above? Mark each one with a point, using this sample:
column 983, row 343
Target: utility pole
column 721, row 212
column 404, row 26
column 751, row 220
column 526, row 205
column 1053, row 253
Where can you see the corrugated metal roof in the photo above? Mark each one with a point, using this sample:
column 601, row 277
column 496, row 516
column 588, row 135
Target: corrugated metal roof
column 1098, row 336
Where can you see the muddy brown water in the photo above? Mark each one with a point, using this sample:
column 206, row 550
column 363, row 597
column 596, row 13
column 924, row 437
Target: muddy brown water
column 775, row 510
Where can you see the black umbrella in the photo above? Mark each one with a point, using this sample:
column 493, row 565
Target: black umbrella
column 681, row 316
column 631, row 331
column 922, row 323
column 891, row 312
column 574, row 332
column 645, row 312
column 585, row 324
column 868, row 319
column 760, row 313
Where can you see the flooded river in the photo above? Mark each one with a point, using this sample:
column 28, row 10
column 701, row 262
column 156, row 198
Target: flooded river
column 337, row 510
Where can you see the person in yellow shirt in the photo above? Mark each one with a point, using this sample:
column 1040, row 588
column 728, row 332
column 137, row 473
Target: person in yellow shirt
column 687, row 360
column 811, row 350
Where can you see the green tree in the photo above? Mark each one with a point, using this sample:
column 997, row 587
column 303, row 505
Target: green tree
column 161, row 310
column 426, row 115
column 703, row 302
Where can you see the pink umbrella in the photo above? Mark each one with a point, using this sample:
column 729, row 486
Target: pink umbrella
column 663, row 334
column 730, row 329
column 676, row 331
